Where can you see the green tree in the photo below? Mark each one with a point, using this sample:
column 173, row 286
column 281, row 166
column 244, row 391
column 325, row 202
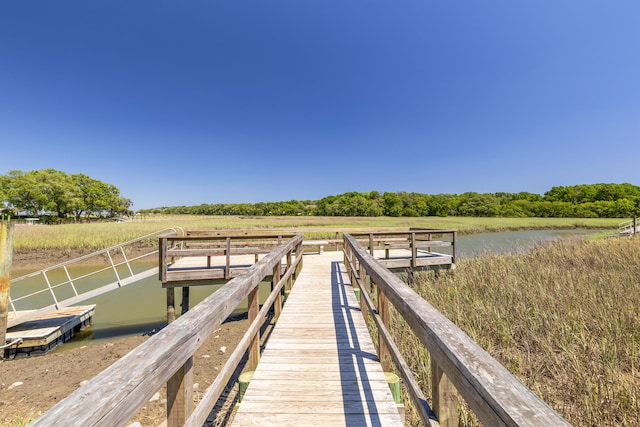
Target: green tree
column 57, row 191
column 22, row 192
column 392, row 204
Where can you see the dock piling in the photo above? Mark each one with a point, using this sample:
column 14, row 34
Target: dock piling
column 6, row 254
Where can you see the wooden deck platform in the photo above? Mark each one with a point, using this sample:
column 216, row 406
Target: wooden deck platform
column 319, row 366
column 195, row 270
column 45, row 332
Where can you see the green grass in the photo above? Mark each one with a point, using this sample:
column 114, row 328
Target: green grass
column 94, row 236
column 563, row 318
column 16, row 422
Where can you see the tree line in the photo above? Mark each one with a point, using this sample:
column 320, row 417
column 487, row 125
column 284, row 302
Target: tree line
column 49, row 192
column 578, row 201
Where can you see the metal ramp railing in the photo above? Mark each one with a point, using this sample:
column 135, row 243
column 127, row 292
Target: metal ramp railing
column 629, row 227
column 59, row 289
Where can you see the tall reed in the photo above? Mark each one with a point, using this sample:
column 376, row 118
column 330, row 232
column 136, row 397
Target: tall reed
column 564, row 318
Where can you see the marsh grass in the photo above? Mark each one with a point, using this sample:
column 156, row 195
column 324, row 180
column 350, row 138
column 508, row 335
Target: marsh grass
column 17, row 421
column 564, row 318
column 88, row 237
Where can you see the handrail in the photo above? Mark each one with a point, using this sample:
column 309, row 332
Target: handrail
column 495, row 395
column 413, row 239
column 117, row 393
column 208, row 245
column 51, row 286
column 631, row 226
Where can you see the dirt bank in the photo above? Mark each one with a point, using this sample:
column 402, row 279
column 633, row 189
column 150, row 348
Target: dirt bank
column 39, row 259
column 30, row 386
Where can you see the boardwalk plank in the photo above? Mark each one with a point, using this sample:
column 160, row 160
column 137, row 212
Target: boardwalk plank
column 295, row 420
column 320, row 366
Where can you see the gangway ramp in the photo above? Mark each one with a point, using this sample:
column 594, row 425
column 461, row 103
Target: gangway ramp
column 319, row 366
column 59, row 289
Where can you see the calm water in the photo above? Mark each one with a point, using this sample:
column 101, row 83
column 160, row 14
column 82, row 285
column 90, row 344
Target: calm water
column 141, row 307
column 511, row 242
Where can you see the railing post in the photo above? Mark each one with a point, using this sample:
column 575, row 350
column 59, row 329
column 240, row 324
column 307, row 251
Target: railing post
column 6, row 255
column 126, row 260
column 180, row 385
column 180, row 395
column 277, row 305
column 444, row 396
column 453, row 247
column 254, row 347
column 362, row 274
column 346, row 258
column 227, row 270
column 53, row 294
column 371, row 243
column 162, row 255
column 299, row 253
column 414, row 250
column 289, row 284
column 383, row 312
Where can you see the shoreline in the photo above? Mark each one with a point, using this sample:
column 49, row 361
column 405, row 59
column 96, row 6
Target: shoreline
column 29, row 386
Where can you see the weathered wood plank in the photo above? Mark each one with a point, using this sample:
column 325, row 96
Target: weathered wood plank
column 496, row 396
column 139, row 374
column 320, row 362
column 368, row 407
column 295, row 420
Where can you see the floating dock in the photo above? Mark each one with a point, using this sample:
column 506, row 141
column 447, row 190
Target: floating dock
column 45, row 332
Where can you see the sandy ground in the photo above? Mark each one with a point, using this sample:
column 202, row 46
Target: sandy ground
column 30, row 386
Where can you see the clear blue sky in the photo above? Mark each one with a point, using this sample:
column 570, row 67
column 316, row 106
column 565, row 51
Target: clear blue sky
column 207, row 101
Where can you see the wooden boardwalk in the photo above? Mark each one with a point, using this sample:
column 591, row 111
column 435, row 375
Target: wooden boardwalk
column 319, row 366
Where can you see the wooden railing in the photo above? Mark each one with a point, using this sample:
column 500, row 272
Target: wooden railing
column 206, row 246
column 458, row 364
column 115, row 395
column 414, row 239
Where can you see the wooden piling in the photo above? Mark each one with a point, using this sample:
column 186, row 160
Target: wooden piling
column 171, row 305
column 6, row 254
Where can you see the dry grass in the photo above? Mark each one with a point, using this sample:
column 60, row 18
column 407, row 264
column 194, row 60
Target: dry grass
column 563, row 318
column 94, row 236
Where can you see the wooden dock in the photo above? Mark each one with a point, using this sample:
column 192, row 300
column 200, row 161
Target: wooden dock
column 45, row 332
column 320, row 365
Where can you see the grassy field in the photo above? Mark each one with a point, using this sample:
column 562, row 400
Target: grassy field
column 95, row 236
column 563, row 318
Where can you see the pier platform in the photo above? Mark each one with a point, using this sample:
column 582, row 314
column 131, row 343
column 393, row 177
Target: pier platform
column 45, row 332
